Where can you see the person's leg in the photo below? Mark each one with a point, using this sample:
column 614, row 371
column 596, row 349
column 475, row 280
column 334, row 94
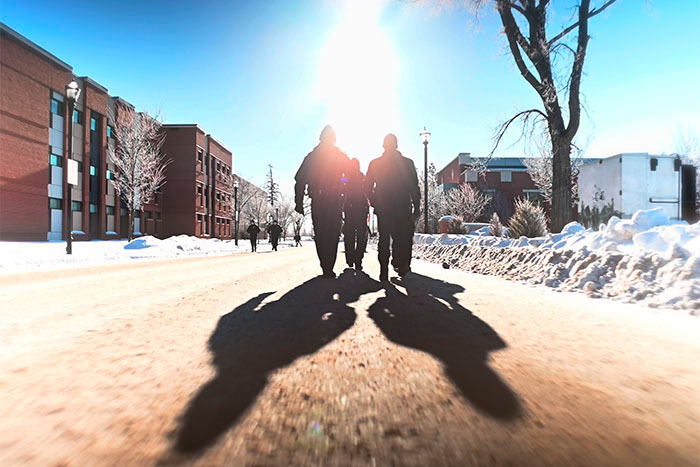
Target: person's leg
column 404, row 233
column 383, row 253
column 348, row 240
column 361, row 232
column 327, row 218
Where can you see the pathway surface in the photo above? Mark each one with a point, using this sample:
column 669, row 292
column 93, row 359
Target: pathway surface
column 251, row 359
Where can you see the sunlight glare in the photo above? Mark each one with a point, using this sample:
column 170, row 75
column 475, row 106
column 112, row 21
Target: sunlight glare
column 358, row 81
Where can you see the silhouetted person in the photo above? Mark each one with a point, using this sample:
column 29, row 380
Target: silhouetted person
column 275, row 230
column 392, row 187
column 321, row 174
column 253, row 231
column 297, row 240
column 356, row 209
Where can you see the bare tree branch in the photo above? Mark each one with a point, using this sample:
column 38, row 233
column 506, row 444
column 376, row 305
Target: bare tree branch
column 590, row 14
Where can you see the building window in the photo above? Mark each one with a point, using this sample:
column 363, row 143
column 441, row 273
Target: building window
column 157, row 216
column 57, row 107
column 489, row 194
column 55, row 203
column 110, row 210
column 93, row 208
column 55, row 160
column 122, row 212
column 80, row 167
column 93, row 170
column 110, row 131
column 149, row 215
column 534, row 196
column 471, row 175
column 506, row 176
column 78, row 117
column 93, row 124
column 109, row 175
column 76, row 206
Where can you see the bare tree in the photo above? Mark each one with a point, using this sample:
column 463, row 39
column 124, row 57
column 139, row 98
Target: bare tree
column 246, row 191
column 552, row 64
column 466, row 202
column 140, row 166
column 285, row 218
column 437, row 201
column 258, row 207
column 540, row 168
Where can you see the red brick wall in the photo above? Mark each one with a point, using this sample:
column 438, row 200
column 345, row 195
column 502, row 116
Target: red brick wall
column 27, row 79
column 450, row 174
column 179, row 191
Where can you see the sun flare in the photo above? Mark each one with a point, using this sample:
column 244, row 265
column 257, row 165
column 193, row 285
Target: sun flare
column 358, row 82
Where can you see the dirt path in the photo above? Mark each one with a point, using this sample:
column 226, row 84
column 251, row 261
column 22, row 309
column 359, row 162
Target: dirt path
column 252, row 360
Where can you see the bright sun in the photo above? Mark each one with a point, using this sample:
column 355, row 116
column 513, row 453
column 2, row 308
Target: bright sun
column 358, row 79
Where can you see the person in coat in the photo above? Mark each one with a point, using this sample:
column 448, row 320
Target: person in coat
column 392, row 187
column 275, row 230
column 297, row 240
column 253, row 231
column 321, row 176
column 356, row 210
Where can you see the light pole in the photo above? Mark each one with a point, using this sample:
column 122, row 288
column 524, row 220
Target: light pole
column 72, row 94
column 425, row 137
column 235, row 209
column 277, row 214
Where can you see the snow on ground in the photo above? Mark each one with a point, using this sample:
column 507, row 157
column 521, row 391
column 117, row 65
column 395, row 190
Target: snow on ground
column 16, row 257
column 647, row 259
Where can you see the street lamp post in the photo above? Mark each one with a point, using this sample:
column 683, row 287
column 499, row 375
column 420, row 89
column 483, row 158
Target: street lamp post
column 425, row 137
column 72, row 94
column 235, row 210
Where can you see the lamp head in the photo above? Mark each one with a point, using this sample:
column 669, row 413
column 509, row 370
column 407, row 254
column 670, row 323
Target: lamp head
column 72, row 91
column 425, row 136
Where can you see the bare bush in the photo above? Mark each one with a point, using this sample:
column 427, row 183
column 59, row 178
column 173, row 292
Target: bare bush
column 466, row 202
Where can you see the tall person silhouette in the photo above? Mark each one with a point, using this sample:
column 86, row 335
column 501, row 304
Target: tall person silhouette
column 391, row 184
column 322, row 175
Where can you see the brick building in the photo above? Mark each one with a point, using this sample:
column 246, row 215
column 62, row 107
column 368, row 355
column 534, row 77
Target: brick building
column 199, row 184
column 505, row 179
column 34, row 147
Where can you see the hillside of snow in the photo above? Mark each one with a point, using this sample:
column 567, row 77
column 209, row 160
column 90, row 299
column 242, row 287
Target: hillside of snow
column 647, row 259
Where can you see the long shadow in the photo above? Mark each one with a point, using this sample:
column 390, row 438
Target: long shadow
column 450, row 332
column 251, row 342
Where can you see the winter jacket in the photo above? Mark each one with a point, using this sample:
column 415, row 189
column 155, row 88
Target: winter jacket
column 391, row 184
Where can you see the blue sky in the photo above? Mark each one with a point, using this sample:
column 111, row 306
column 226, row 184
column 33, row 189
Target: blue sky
column 264, row 77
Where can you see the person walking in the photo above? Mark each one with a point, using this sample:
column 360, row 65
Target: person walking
column 356, row 209
column 275, row 230
column 297, row 240
column 321, row 176
column 392, row 187
column 253, row 231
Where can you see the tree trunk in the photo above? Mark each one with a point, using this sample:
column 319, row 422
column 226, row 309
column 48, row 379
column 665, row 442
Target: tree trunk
column 131, row 224
column 561, row 182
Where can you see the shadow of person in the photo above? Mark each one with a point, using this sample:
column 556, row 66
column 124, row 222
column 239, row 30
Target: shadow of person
column 252, row 341
column 429, row 318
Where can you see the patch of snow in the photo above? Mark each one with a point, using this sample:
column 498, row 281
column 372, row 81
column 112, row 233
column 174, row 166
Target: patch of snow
column 648, row 258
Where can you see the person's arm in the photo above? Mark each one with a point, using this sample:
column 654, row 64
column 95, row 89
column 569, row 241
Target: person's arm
column 301, row 180
column 368, row 184
column 414, row 188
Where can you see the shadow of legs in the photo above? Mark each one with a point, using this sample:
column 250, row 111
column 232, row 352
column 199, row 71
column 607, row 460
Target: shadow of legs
column 452, row 334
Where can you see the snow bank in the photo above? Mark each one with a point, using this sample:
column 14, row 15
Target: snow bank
column 648, row 259
column 16, row 257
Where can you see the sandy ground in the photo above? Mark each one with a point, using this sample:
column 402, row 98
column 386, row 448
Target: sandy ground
column 252, row 360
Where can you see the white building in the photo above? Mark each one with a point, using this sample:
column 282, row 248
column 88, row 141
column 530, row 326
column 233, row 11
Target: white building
column 633, row 181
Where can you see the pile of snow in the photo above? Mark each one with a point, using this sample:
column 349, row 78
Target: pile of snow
column 648, row 259
column 16, row 257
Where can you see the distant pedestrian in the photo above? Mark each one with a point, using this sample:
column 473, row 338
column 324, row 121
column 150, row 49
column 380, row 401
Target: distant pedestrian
column 356, row 210
column 297, row 240
column 275, row 230
column 392, row 187
column 253, row 231
column 321, row 175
